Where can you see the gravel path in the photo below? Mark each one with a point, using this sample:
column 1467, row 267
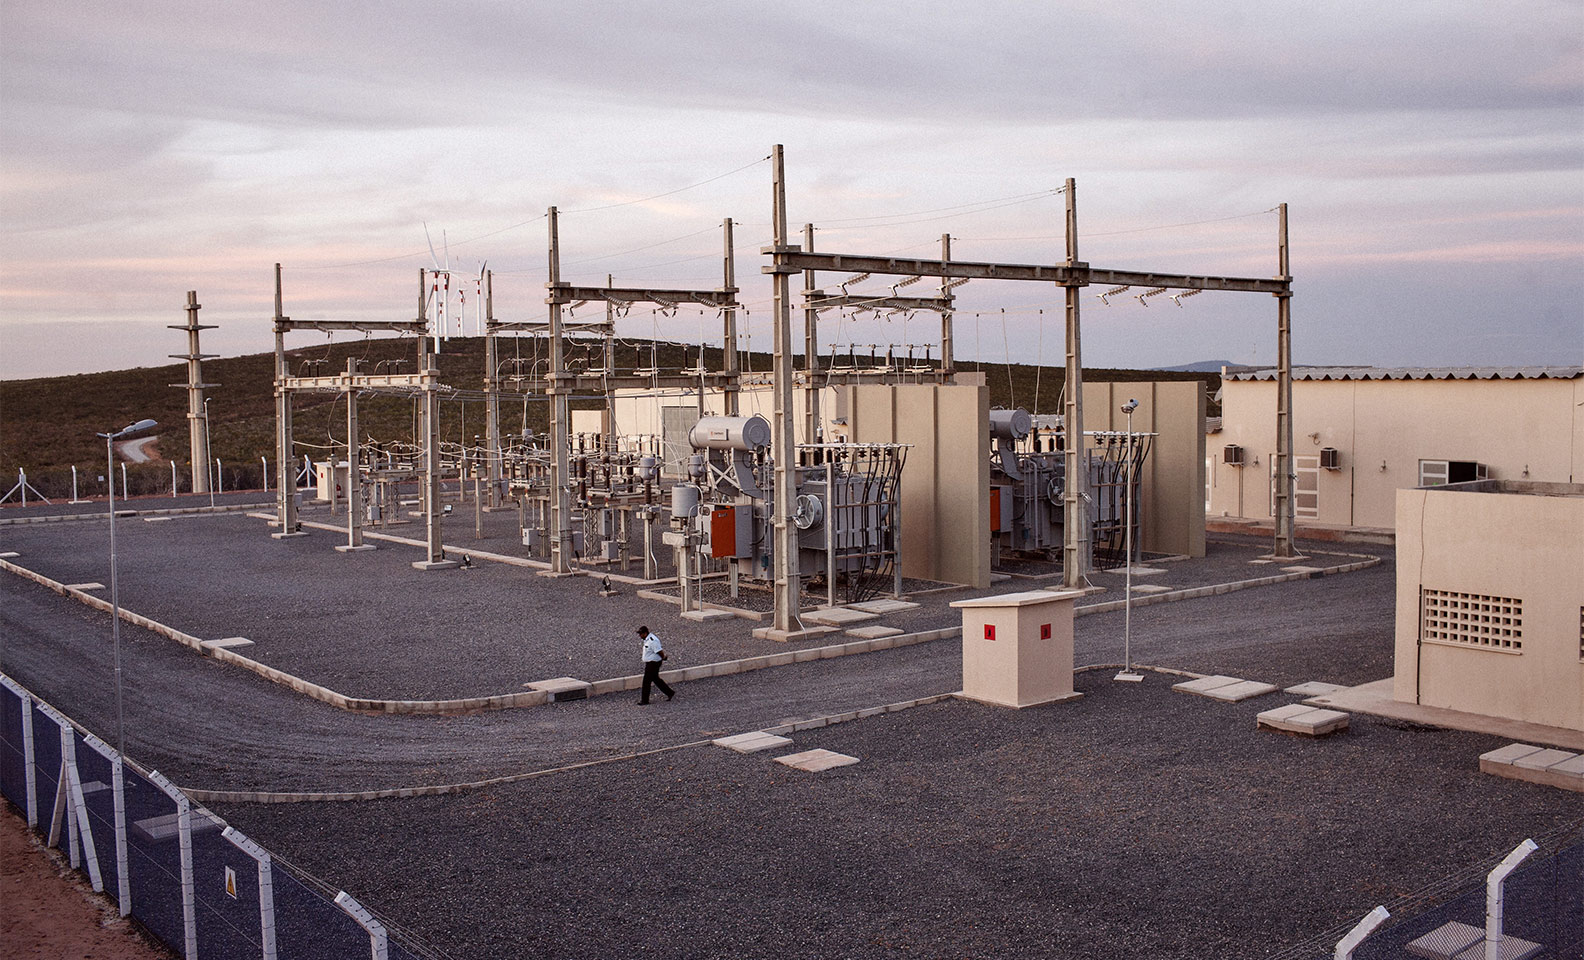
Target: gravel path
column 1136, row 822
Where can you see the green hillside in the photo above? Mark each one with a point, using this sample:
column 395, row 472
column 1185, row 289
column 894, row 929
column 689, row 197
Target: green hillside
column 48, row 424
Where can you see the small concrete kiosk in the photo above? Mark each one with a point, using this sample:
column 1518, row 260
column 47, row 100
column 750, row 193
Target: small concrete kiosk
column 1018, row 648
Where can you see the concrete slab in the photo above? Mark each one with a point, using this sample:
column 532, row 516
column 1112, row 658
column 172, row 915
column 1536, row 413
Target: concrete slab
column 1138, row 571
column 883, row 605
column 360, row 548
column 1541, row 759
column 752, row 742
column 562, row 688
column 228, row 643
column 1242, row 690
column 707, row 614
column 835, row 616
column 782, row 636
column 95, row 585
column 434, row 564
column 9, row 554
column 816, row 761
column 1262, row 561
column 1150, row 588
column 872, row 632
column 1462, row 941
column 1301, row 569
column 1376, row 699
column 1313, row 688
column 1304, row 720
column 1206, row 683
column 1546, row 767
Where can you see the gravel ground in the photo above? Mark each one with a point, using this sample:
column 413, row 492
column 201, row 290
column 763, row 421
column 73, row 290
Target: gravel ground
column 336, row 619
column 1136, row 822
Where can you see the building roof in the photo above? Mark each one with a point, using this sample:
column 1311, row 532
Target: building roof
column 1411, row 373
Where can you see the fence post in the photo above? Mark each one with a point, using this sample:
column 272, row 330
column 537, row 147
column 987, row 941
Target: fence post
column 118, row 788
column 1365, row 927
column 184, row 826
column 68, row 793
column 30, row 779
column 266, row 888
column 265, row 462
column 1495, row 895
column 378, row 941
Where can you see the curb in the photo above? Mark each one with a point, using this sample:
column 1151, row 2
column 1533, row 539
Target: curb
column 531, row 698
column 163, row 512
column 258, row 796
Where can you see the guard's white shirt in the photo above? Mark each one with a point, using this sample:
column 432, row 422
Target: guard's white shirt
column 651, row 648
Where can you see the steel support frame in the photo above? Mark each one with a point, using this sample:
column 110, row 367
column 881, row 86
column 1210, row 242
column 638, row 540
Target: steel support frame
column 197, row 423
column 561, row 383
column 1072, row 275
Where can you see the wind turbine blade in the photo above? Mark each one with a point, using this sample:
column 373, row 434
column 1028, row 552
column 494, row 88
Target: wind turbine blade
column 432, row 256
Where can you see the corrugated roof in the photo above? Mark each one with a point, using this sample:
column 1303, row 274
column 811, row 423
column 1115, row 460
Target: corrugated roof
column 1416, row 373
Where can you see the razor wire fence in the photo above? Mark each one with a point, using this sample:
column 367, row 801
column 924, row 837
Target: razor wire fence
column 198, row 885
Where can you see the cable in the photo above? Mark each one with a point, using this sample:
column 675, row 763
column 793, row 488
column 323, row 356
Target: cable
column 669, row 193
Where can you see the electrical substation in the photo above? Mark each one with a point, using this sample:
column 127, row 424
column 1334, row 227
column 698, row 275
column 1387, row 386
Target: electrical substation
column 777, row 480
column 895, row 616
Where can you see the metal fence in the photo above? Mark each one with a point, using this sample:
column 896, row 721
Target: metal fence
column 1528, row 904
column 198, row 885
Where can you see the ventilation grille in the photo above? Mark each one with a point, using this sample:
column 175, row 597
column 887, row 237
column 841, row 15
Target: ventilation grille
column 1473, row 619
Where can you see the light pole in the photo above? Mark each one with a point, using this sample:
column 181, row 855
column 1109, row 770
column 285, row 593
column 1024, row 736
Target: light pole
column 1127, row 526
column 208, row 450
column 115, row 594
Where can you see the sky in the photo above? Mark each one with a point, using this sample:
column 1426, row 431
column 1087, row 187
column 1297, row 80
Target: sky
column 1431, row 155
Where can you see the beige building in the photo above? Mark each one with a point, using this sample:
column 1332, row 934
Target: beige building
column 1361, row 434
column 1490, row 600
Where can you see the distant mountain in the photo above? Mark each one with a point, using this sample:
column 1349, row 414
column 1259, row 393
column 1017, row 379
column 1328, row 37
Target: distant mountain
column 1203, row 366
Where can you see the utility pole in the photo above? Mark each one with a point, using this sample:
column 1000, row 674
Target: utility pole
column 1285, row 513
column 788, row 582
column 948, row 361
column 729, row 358
column 286, row 461
column 492, row 434
column 354, row 489
column 197, row 423
column 560, row 421
column 1075, row 534
column 811, row 422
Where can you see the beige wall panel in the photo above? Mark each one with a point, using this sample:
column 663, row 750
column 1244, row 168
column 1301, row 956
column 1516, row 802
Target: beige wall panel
column 1171, row 491
column 1494, row 544
column 1509, row 425
column 945, row 484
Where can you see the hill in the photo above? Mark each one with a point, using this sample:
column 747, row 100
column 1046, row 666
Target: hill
column 48, row 424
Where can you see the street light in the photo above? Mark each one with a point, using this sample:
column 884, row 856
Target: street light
column 115, row 594
column 1127, row 524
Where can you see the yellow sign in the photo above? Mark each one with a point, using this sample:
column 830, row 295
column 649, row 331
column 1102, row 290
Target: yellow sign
column 230, row 880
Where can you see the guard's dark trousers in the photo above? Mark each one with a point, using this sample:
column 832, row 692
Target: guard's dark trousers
column 652, row 675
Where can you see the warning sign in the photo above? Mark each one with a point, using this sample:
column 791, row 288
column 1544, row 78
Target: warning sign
column 230, row 880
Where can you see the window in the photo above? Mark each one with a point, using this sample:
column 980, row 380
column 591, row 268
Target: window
column 1471, row 619
column 1434, row 473
column 1306, row 486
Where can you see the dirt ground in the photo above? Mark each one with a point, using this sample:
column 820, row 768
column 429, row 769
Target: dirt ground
column 48, row 913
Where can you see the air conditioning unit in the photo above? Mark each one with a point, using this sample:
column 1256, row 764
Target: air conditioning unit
column 1232, row 455
column 1331, row 458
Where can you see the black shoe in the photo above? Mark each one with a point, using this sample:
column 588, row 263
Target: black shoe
column 643, row 703
column 671, row 696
